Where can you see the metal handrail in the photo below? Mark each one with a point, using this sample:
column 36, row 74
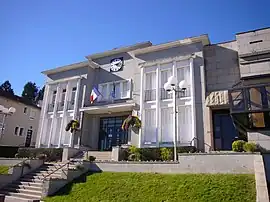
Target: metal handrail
column 195, row 138
column 22, row 162
column 67, row 163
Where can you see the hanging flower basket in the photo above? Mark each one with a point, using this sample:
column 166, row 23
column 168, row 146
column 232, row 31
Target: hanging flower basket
column 72, row 126
column 133, row 121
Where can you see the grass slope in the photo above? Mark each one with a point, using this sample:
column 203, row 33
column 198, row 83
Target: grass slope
column 3, row 169
column 145, row 187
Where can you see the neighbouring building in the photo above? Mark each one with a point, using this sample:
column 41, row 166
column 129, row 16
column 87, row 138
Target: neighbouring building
column 131, row 79
column 20, row 128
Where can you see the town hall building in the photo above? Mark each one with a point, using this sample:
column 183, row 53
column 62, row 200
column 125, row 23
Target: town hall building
column 130, row 81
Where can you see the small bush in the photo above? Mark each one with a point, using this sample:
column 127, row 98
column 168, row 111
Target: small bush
column 150, row 154
column 250, row 147
column 166, row 154
column 238, row 145
column 91, row 158
column 53, row 154
column 135, row 154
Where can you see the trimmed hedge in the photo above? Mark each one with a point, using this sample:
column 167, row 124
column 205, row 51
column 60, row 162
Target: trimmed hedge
column 8, row 152
column 52, row 154
column 154, row 154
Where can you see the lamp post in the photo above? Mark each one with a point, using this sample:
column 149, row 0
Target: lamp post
column 5, row 112
column 170, row 86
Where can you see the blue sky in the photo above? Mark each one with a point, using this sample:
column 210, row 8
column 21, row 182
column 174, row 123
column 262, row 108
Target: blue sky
column 39, row 35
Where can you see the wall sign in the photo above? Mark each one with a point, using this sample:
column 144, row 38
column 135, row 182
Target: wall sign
column 116, row 64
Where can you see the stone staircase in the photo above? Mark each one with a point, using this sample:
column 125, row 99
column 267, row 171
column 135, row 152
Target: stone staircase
column 100, row 155
column 29, row 187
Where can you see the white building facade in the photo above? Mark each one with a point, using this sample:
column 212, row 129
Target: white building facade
column 130, row 81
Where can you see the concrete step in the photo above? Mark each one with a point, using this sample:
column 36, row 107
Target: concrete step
column 24, row 191
column 44, row 172
column 21, row 195
column 18, row 199
column 27, row 187
column 41, row 175
column 31, row 180
column 33, row 184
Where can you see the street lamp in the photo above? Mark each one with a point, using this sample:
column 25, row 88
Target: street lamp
column 171, row 87
column 5, row 112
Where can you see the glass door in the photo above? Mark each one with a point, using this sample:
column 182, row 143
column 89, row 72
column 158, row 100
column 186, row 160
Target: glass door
column 111, row 133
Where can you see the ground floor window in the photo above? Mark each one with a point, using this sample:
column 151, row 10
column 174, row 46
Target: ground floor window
column 149, row 128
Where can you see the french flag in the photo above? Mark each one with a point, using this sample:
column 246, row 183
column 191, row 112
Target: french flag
column 94, row 95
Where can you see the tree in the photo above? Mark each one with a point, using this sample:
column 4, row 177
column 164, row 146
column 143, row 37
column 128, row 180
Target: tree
column 6, row 86
column 30, row 91
column 40, row 94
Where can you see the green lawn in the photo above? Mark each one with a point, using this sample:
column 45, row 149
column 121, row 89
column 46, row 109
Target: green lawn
column 118, row 187
column 4, row 169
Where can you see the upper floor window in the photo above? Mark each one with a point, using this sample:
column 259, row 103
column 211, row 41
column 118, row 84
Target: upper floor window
column 33, row 114
column 115, row 90
column 73, row 93
column 16, row 130
column 25, row 110
column 183, row 73
column 54, row 96
column 21, row 132
column 63, row 96
column 150, row 86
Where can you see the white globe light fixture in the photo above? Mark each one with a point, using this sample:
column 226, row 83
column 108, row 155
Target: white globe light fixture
column 182, row 85
column 167, row 86
column 12, row 110
column 5, row 111
column 172, row 81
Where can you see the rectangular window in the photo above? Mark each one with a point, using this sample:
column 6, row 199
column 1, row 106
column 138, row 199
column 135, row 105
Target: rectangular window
column 150, row 130
column 16, row 130
column 184, row 124
column 33, row 114
column 150, row 86
column 116, row 90
column 164, row 79
column 183, row 73
column 54, row 96
column 73, row 93
column 125, row 91
column 25, row 110
column 167, row 125
column 103, row 91
column 21, row 132
column 150, row 79
column 63, row 96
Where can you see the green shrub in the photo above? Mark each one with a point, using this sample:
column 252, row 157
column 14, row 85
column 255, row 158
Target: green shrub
column 250, row 147
column 135, row 154
column 238, row 145
column 91, row 158
column 52, row 154
column 150, row 154
column 166, row 154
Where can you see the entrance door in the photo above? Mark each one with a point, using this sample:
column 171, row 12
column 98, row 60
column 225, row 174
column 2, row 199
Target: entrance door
column 224, row 130
column 28, row 138
column 111, row 133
